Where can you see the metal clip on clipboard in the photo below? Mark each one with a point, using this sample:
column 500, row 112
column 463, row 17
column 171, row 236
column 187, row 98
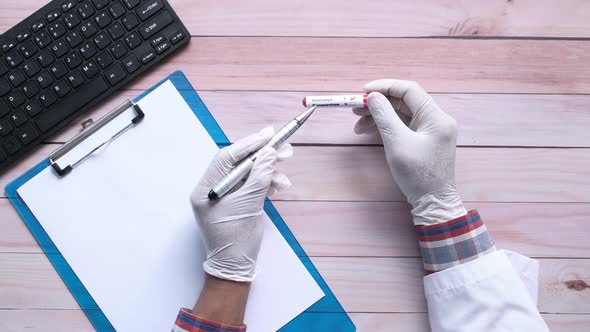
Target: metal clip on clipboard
column 89, row 127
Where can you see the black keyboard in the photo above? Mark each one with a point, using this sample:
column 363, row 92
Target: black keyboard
column 69, row 55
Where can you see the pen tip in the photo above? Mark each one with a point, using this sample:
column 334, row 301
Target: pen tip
column 304, row 102
column 212, row 195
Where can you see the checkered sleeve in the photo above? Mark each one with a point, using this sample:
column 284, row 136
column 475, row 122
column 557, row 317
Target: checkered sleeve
column 188, row 322
column 454, row 242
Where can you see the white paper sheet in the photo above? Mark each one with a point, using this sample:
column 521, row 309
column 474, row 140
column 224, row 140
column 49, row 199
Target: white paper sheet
column 122, row 219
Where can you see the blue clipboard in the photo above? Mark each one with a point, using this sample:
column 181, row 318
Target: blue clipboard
column 325, row 315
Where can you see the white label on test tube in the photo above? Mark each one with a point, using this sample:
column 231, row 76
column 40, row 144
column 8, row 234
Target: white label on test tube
column 336, row 101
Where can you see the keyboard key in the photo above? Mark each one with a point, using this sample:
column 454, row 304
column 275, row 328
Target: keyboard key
column 176, row 37
column 87, row 50
column 70, row 104
column 15, row 98
column 163, row 47
column 130, row 21
column 3, row 68
column 3, row 155
column 30, row 89
column 7, row 44
column 13, row 59
column 100, row 3
column 73, row 60
column 85, row 10
column 44, row 79
column 103, row 19
column 90, row 69
column 74, row 39
column 16, row 78
column 57, row 29
column 116, row 31
column 5, row 127
column 53, row 15
column 115, row 74
column 75, row 78
column 38, row 25
column 149, row 8
column 47, row 98
column 149, row 56
column 42, row 39
column 27, row 134
column 58, row 70
column 4, row 108
column 102, row 40
column 88, row 29
column 118, row 50
column 11, row 145
column 68, row 5
column 4, row 88
column 23, row 35
column 131, row 63
column 32, row 108
column 59, row 48
column 104, row 60
column 117, row 10
column 71, row 20
column 28, row 49
column 132, row 40
column 31, row 68
column 45, row 58
column 157, row 39
column 61, row 88
column 154, row 25
column 131, row 3
column 18, row 118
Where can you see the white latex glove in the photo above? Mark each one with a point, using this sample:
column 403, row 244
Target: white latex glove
column 232, row 226
column 419, row 141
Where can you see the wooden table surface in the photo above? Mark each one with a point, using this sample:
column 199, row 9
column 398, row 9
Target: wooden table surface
column 515, row 74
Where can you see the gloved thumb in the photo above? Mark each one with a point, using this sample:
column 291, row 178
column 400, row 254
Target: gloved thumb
column 260, row 177
column 388, row 122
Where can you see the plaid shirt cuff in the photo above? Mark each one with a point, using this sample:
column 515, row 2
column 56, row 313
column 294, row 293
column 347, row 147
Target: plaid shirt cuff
column 187, row 322
column 454, row 242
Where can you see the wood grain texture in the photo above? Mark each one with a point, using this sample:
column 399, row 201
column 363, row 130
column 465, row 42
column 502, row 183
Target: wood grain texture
column 373, row 18
column 360, row 284
column 359, row 173
column 484, row 119
column 383, row 229
column 440, row 65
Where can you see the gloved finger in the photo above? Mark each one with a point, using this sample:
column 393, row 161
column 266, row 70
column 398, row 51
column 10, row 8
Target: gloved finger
column 260, row 177
column 279, row 182
column 251, row 143
column 361, row 111
column 410, row 92
column 285, row 151
column 386, row 119
column 364, row 125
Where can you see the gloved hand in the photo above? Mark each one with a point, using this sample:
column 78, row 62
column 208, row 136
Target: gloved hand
column 232, row 226
column 419, row 141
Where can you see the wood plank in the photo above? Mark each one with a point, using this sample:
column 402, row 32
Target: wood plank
column 544, row 18
column 37, row 320
column 359, row 173
column 320, row 64
column 75, row 321
column 361, row 284
column 484, row 119
column 382, row 229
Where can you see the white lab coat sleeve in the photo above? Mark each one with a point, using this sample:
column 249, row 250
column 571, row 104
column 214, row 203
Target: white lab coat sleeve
column 496, row 292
